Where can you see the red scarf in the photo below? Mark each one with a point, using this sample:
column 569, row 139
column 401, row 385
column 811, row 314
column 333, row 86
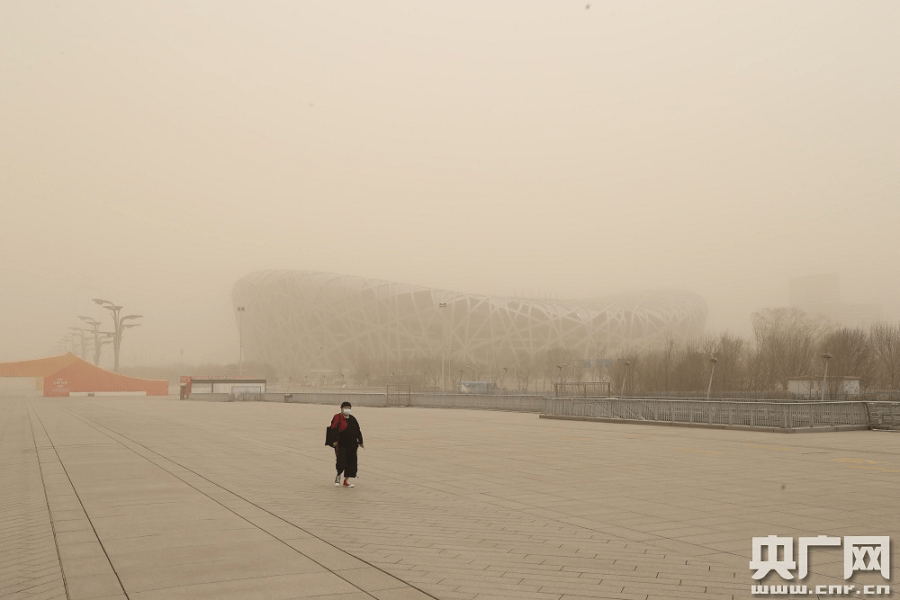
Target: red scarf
column 339, row 422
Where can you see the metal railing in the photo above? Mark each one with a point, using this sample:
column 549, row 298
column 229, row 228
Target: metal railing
column 779, row 396
column 396, row 395
column 583, row 389
column 884, row 415
column 762, row 415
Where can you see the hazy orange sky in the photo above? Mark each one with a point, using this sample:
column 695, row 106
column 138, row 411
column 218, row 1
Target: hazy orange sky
column 154, row 153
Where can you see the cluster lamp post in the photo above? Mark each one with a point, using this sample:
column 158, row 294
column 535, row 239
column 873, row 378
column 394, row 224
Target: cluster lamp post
column 95, row 329
column 76, row 333
column 119, row 327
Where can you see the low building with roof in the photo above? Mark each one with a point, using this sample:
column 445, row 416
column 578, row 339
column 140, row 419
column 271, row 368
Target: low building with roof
column 812, row 386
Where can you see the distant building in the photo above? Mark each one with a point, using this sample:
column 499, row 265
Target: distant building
column 311, row 321
column 221, row 384
column 821, row 295
column 475, row 387
column 812, row 386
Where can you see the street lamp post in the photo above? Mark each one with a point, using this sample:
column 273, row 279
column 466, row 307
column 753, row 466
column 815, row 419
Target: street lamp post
column 516, row 366
column 449, row 370
column 78, row 331
column 443, row 305
column 241, row 310
column 95, row 328
column 712, row 360
column 826, row 356
column 107, row 338
column 119, row 327
column 70, row 337
column 624, row 378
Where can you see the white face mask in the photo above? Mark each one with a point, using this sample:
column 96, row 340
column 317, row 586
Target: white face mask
column 346, row 411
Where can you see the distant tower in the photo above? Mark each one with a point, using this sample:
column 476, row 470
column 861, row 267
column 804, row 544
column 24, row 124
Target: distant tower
column 821, row 295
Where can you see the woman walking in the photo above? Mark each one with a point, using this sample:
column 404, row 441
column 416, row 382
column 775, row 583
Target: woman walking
column 349, row 439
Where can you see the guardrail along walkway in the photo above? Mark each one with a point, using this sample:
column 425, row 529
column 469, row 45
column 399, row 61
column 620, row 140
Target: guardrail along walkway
column 772, row 416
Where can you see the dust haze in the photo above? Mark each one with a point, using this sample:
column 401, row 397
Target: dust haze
column 153, row 154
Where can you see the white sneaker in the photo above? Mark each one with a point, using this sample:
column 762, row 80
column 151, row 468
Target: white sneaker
column 348, row 484
column 337, row 479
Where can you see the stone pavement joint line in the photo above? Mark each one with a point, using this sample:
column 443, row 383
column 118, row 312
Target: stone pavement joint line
column 73, row 532
column 135, row 501
column 266, row 521
column 29, row 560
column 236, row 500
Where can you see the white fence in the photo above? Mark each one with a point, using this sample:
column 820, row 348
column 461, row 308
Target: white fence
column 721, row 413
column 772, row 416
column 533, row 404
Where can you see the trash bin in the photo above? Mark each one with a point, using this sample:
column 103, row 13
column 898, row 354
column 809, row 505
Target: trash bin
column 183, row 390
column 288, row 397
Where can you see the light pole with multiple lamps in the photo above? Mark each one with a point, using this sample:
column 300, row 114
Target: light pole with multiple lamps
column 95, row 329
column 119, row 327
column 826, row 356
column 68, row 342
column 712, row 360
column 78, row 331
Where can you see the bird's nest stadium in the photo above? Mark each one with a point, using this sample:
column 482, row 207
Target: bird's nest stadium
column 307, row 322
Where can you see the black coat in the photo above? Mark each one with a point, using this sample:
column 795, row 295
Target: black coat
column 352, row 436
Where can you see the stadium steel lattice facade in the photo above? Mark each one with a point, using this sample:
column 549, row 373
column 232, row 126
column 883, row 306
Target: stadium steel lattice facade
column 309, row 321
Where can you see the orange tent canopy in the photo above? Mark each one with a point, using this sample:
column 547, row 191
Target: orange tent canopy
column 67, row 373
column 40, row 367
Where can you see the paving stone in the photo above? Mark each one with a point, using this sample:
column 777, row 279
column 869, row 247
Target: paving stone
column 229, row 500
column 97, row 585
column 29, row 564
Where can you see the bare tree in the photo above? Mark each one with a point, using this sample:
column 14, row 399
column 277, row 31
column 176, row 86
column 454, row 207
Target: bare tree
column 548, row 364
column 692, row 365
column 627, row 369
column 885, row 342
column 851, row 354
column 657, row 367
column 525, row 371
column 731, row 352
column 786, row 344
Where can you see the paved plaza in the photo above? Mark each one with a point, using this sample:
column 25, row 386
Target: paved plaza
column 152, row 499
